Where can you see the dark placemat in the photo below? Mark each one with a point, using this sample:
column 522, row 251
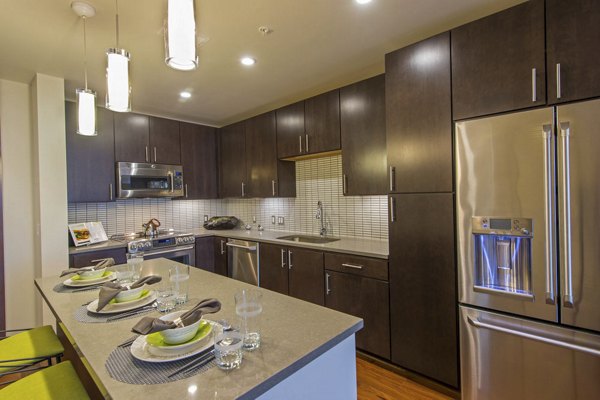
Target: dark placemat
column 83, row 315
column 123, row 367
column 61, row 288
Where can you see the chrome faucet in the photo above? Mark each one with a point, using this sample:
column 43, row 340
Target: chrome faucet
column 321, row 215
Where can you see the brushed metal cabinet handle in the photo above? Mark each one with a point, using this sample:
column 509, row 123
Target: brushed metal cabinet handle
column 549, row 211
column 392, row 209
column 155, row 158
column 558, row 88
column 300, row 140
column 392, row 178
column 344, row 184
column 327, row 287
column 110, row 191
column 273, row 187
column 355, row 266
column 147, row 157
column 186, row 190
column 282, row 258
column 243, row 189
column 306, row 143
column 290, row 259
column 565, row 132
column 533, row 85
column 222, row 247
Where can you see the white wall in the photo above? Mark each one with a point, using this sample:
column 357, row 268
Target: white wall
column 17, row 196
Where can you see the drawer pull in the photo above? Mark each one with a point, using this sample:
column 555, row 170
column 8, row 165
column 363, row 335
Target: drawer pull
column 355, row 266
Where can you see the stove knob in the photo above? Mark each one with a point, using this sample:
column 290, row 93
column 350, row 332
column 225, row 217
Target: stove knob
column 178, row 240
column 147, row 245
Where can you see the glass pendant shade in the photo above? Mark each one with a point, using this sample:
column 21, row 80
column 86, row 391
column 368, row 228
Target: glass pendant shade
column 118, row 93
column 86, row 112
column 180, row 35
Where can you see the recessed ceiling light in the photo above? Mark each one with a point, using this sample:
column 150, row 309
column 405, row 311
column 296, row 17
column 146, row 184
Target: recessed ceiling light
column 248, row 61
column 363, row 1
column 185, row 95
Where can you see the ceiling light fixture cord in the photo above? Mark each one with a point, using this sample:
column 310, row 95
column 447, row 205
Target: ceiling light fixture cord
column 117, row 20
column 85, row 54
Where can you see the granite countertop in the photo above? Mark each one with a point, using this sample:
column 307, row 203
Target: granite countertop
column 348, row 245
column 294, row 333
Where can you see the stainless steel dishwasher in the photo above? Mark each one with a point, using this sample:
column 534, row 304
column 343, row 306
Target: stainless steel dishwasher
column 242, row 261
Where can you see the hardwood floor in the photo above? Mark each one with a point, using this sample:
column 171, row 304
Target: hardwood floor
column 377, row 383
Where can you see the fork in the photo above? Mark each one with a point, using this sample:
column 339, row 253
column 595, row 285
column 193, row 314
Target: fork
column 204, row 358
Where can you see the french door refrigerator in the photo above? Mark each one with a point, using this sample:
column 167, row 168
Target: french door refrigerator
column 528, row 246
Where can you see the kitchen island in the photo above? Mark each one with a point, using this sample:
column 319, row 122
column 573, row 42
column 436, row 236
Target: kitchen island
column 307, row 351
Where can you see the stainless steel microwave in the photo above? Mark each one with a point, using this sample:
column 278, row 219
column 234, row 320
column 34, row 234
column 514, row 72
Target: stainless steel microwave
column 149, row 180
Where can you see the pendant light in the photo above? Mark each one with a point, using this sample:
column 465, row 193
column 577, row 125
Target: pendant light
column 86, row 98
column 180, row 35
column 118, row 90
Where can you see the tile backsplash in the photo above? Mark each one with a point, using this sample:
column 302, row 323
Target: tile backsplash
column 316, row 179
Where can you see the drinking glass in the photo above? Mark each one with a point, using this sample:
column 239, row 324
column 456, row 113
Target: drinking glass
column 179, row 276
column 166, row 296
column 248, row 306
column 135, row 260
column 124, row 273
column 228, row 347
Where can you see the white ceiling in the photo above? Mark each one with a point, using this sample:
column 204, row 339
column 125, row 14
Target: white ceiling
column 316, row 45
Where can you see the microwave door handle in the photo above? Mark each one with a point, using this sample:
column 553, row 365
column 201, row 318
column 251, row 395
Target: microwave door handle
column 548, row 135
column 172, row 182
column 565, row 132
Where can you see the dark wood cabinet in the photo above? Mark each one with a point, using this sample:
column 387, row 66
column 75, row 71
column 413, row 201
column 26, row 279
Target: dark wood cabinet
column 205, row 253
column 274, row 268
column 423, row 301
column 572, row 37
column 132, row 136
column 294, row 271
column 418, row 117
column 498, row 62
column 266, row 176
column 85, row 259
column 322, row 123
column 362, row 119
column 220, row 253
column 90, row 159
column 232, row 160
column 290, row 130
column 164, row 141
column 365, row 298
column 199, row 161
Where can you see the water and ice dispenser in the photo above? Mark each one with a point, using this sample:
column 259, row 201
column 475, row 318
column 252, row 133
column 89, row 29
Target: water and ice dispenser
column 503, row 255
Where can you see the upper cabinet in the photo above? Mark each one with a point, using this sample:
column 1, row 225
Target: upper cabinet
column 266, row 176
column 362, row 120
column 232, row 160
column 418, row 117
column 199, row 161
column 90, row 159
column 144, row 139
column 572, row 37
column 164, row 141
column 498, row 62
column 310, row 126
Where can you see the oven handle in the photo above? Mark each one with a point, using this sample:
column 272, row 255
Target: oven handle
column 169, row 250
column 237, row 246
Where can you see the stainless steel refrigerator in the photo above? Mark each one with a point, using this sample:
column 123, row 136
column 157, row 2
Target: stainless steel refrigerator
column 528, row 221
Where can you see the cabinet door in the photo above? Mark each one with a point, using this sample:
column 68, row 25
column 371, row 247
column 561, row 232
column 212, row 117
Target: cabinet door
column 220, row 252
column 85, row 259
column 90, row 159
column 232, row 169
column 498, row 62
column 290, row 130
column 306, row 275
column 572, row 37
column 273, row 268
column 365, row 298
column 362, row 118
column 322, row 123
column 164, row 141
column 423, row 302
column 132, row 133
column 418, row 117
column 261, row 156
column 205, row 254
column 199, row 161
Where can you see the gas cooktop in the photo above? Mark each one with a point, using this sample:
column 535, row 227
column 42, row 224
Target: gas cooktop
column 128, row 237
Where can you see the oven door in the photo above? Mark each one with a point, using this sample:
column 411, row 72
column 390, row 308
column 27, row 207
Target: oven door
column 180, row 254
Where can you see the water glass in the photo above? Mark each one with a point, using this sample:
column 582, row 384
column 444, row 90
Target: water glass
column 179, row 276
column 248, row 306
column 228, row 347
column 125, row 274
column 135, row 261
column 166, row 296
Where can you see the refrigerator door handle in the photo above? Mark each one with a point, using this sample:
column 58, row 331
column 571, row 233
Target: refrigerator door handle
column 565, row 132
column 478, row 324
column 549, row 209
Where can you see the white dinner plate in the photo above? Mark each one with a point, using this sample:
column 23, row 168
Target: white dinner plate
column 176, row 349
column 139, row 350
column 113, row 308
column 90, row 282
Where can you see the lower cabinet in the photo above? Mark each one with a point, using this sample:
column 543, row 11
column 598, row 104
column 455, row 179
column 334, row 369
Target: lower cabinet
column 220, row 255
column 205, row 254
column 85, row 259
column 293, row 271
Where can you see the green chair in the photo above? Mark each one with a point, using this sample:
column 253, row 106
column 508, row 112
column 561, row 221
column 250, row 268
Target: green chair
column 25, row 351
column 58, row 382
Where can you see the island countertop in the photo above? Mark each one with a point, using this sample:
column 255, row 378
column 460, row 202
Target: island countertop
column 294, row 333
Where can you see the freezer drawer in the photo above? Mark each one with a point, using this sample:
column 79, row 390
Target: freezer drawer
column 509, row 358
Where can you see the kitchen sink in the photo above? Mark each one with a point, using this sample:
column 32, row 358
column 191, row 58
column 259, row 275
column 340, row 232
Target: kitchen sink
column 308, row 239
